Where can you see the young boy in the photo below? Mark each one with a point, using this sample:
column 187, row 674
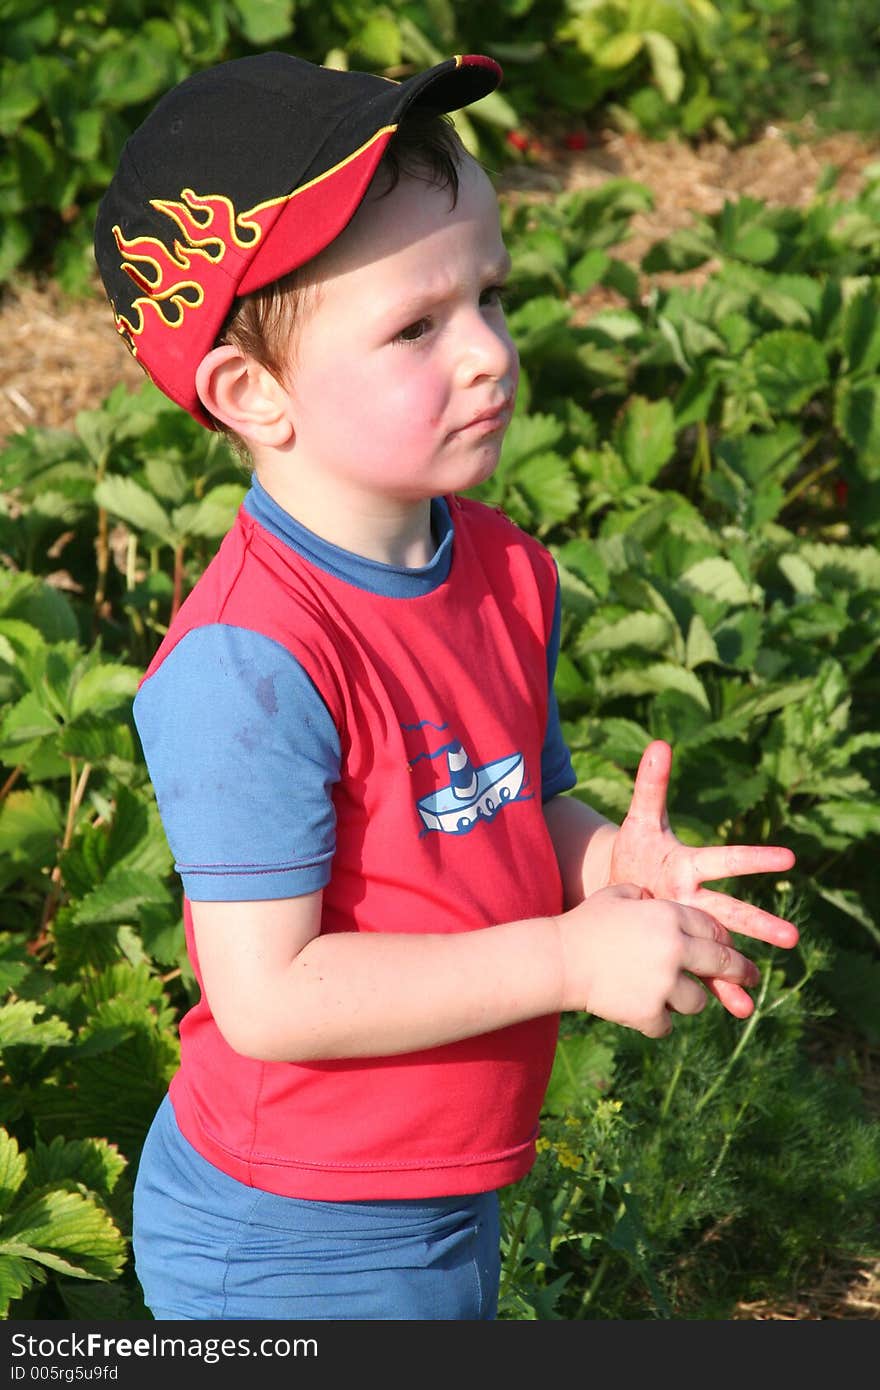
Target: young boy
column 351, row 726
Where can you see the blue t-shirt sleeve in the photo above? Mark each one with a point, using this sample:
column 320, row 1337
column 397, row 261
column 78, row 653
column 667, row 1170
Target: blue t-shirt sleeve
column 557, row 771
column 243, row 754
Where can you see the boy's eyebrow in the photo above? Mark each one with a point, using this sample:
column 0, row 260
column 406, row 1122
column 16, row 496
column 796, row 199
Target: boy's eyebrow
column 494, row 270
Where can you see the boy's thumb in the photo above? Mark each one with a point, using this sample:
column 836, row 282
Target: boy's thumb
column 629, row 890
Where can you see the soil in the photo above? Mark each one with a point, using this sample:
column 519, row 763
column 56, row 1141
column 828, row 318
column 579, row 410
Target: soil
column 60, row 355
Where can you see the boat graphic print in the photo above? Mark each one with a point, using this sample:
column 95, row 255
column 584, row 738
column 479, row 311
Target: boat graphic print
column 473, row 793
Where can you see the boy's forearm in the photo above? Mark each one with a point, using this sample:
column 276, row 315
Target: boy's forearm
column 351, row 994
column 583, row 840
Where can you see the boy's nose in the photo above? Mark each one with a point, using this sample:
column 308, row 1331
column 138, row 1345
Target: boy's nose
column 487, row 350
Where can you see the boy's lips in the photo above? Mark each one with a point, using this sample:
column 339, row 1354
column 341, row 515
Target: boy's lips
column 488, row 420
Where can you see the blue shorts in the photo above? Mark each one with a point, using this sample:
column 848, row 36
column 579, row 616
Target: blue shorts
column 208, row 1247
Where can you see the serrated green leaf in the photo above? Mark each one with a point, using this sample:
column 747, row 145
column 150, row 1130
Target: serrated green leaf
column 647, row 631
column 601, row 784
column 720, row 579
column 547, row 482
column 214, row 514
column 104, row 687
column 27, row 720
column 653, row 678
column 843, row 566
column 264, row 22
column 528, row 435
column 619, row 51
column 644, row 437
column 857, row 416
column 92, row 1162
column 583, row 1068
column 22, row 1026
column 788, row 369
column 799, row 574
column 861, row 332
column 126, row 499
column 13, row 1170
column 119, row 898
column 31, row 825
column 588, row 270
column 665, row 65
column 700, row 644
column 66, row 1231
column 17, row 1275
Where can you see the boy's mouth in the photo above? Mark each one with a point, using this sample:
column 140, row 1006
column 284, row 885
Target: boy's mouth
column 495, row 418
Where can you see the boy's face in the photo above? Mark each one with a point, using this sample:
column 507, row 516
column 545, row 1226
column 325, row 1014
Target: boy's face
column 405, row 374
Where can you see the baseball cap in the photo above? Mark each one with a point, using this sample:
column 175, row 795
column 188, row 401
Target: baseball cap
column 238, row 175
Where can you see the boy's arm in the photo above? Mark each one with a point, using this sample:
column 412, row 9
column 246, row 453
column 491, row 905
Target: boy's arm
column 282, row 991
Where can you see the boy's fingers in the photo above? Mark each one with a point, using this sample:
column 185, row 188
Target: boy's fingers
column 652, row 785
column 732, row 861
column 717, row 961
column 747, row 920
column 731, row 996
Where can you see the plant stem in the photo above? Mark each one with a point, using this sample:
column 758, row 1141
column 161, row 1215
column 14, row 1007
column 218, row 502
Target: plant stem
column 178, row 580
column 808, row 479
column 10, row 782
column 78, row 786
column 515, row 1242
column 737, row 1051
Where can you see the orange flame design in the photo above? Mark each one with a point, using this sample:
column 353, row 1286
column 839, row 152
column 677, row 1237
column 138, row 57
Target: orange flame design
column 173, row 281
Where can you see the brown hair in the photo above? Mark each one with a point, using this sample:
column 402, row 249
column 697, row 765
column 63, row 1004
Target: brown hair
column 263, row 325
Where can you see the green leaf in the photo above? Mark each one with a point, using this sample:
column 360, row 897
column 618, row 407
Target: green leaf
column 120, row 897
column 653, row 678
column 92, row 1162
column 380, row 43
column 26, row 721
column 644, row 437
column 647, row 631
column 104, row 687
column 15, row 243
column 788, row 369
column 588, row 270
column 800, row 575
column 837, row 567
column 138, row 68
column 17, row 1275
column 20, row 1025
column 13, row 1170
column 583, row 1068
column 700, row 645
column 133, row 504
column 619, row 51
column 31, row 826
column 861, row 332
column 665, row 65
column 529, row 435
column 264, row 21
column 719, row 579
column 68, row 1231
column 857, row 416
column 213, row 514
column 550, row 488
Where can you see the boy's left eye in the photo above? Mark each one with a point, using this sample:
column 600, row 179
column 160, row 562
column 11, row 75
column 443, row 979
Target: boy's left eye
column 413, row 331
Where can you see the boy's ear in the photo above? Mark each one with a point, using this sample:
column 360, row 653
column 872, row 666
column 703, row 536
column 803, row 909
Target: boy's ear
column 245, row 396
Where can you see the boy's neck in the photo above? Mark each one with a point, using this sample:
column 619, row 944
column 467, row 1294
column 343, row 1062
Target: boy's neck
column 388, row 530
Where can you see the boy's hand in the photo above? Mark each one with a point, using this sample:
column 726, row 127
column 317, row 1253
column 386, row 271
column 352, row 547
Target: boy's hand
column 635, row 960
column 648, row 853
